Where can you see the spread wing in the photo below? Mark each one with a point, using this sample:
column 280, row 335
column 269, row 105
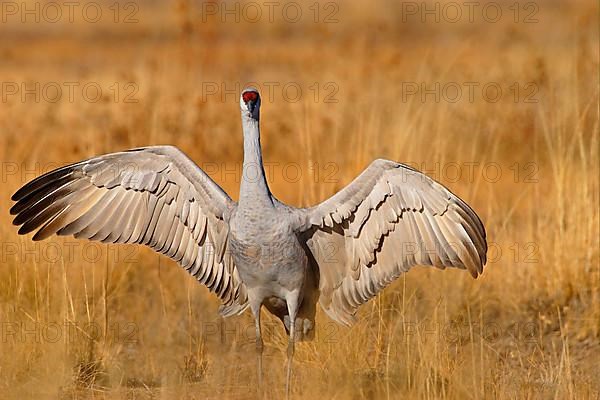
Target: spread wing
column 390, row 218
column 154, row 196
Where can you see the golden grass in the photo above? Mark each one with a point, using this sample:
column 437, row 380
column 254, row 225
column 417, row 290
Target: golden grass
column 127, row 323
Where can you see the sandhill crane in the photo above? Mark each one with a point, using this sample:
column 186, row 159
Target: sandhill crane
column 259, row 251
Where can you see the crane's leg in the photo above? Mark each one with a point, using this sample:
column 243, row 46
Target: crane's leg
column 292, row 305
column 255, row 306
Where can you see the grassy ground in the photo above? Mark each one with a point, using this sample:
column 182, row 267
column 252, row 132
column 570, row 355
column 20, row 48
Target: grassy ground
column 82, row 320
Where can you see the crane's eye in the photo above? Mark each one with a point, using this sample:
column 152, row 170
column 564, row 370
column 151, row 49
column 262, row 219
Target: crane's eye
column 249, row 96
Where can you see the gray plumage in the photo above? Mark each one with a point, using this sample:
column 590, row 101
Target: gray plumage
column 258, row 251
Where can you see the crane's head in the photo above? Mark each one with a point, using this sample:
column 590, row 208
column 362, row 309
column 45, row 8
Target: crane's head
column 250, row 103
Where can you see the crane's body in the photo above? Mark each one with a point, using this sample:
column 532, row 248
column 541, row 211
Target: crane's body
column 269, row 257
column 259, row 251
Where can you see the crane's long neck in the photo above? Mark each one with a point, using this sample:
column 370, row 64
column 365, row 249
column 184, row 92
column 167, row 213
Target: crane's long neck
column 253, row 189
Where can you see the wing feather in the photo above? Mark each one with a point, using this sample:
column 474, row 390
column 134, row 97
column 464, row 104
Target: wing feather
column 155, row 196
column 389, row 219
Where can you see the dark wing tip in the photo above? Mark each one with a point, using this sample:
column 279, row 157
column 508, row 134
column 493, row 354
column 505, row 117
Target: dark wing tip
column 24, row 229
column 22, row 192
column 42, row 181
column 13, row 209
column 42, row 234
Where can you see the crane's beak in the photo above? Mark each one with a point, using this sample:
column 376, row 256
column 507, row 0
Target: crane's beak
column 251, row 106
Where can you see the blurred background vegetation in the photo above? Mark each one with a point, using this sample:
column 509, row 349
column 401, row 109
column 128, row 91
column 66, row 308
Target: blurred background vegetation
column 497, row 100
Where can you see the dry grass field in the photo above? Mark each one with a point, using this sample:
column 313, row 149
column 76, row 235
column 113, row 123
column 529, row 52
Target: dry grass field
column 501, row 108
